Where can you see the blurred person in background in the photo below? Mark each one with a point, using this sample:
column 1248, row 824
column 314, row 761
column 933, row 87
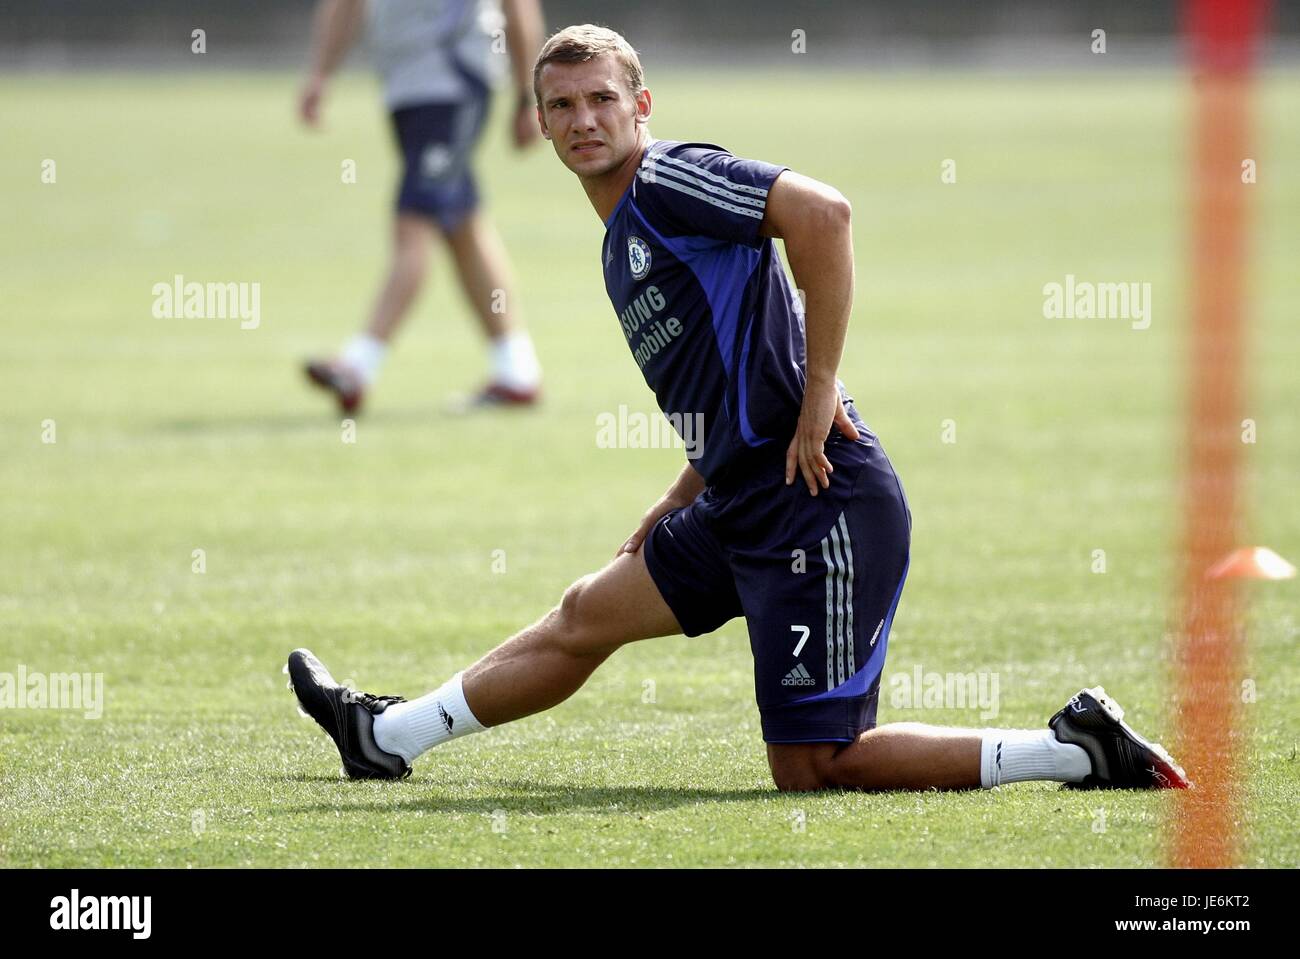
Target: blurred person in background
column 435, row 60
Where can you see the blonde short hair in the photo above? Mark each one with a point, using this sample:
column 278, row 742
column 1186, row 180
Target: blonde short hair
column 586, row 41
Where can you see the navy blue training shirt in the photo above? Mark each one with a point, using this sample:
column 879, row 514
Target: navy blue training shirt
column 704, row 302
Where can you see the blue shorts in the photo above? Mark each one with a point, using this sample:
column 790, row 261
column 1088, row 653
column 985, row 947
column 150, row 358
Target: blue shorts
column 437, row 140
column 816, row 578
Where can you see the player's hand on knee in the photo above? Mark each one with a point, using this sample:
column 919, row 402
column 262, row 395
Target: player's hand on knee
column 652, row 516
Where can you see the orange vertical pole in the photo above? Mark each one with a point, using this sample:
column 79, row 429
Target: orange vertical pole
column 1222, row 35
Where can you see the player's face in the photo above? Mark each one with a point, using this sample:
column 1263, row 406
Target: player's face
column 589, row 114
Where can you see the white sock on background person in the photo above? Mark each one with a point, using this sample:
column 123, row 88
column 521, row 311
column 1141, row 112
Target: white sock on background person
column 365, row 355
column 1018, row 755
column 514, row 361
column 409, row 729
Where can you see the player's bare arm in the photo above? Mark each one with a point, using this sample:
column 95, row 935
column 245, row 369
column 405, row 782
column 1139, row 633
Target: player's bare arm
column 813, row 220
column 335, row 25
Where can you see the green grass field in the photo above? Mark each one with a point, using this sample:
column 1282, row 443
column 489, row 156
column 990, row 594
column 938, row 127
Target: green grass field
column 177, row 435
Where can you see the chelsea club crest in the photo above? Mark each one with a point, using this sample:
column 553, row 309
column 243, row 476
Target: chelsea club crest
column 638, row 257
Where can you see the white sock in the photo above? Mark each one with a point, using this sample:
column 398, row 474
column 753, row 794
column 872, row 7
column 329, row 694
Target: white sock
column 365, row 354
column 514, row 361
column 409, row 729
column 1016, row 755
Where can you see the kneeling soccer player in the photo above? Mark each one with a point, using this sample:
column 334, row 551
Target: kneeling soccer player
column 703, row 300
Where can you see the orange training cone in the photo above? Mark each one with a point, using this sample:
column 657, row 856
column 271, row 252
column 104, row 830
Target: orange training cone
column 1251, row 562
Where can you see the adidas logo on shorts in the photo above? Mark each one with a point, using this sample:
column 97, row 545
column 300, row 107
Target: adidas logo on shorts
column 798, row 677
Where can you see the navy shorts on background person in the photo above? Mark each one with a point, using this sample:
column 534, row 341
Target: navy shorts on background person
column 436, row 141
column 816, row 578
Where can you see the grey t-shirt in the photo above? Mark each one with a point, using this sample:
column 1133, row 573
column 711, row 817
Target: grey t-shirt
column 424, row 49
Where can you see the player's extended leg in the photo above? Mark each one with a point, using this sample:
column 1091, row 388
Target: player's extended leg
column 483, row 267
column 378, row 736
column 546, row 663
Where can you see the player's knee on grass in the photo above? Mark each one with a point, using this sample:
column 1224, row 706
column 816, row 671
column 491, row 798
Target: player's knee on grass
column 801, row 767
